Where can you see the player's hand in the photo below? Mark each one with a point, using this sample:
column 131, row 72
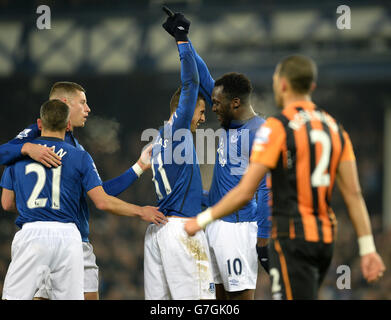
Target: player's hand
column 151, row 214
column 145, row 158
column 176, row 24
column 372, row 267
column 192, row 227
column 42, row 154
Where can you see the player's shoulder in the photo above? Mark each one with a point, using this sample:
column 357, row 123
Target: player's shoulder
column 29, row 132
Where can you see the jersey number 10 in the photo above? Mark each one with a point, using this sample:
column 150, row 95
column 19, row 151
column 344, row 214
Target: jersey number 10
column 34, row 201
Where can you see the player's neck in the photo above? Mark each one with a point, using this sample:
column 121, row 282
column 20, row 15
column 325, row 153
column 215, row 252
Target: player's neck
column 246, row 114
column 292, row 98
column 53, row 134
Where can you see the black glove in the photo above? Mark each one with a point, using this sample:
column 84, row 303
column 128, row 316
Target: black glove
column 176, row 25
column 263, row 257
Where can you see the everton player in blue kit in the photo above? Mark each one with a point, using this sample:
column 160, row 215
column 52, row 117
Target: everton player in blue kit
column 75, row 97
column 177, row 266
column 47, row 251
column 233, row 239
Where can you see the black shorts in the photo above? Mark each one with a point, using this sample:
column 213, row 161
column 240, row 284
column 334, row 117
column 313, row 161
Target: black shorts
column 298, row 267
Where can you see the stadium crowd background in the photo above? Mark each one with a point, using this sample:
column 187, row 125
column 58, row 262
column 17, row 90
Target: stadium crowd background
column 129, row 66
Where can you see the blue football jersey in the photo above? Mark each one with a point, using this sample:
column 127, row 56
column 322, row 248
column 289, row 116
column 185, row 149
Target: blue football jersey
column 232, row 159
column 52, row 194
column 11, row 152
column 175, row 167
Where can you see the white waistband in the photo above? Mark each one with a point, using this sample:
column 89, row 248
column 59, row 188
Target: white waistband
column 49, row 224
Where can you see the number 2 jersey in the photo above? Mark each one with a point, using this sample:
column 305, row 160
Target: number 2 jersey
column 52, row 194
column 303, row 147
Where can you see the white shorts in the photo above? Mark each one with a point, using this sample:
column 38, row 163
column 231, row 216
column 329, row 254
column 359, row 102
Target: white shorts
column 91, row 273
column 234, row 255
column 176, row 266
column 45, row 255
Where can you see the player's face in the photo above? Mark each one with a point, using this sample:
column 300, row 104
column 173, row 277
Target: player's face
column 79, row 109
column 277, row 88
column 199, row 115
column 221, row 106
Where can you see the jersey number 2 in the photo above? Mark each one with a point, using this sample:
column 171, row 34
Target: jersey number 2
column 34, row 201
column 319, row 177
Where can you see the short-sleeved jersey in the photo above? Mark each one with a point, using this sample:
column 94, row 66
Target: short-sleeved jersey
column 175, row 167
column 303, row 147
column 52, row 194
column 232, row 160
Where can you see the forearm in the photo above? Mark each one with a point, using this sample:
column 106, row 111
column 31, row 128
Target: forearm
column 10, row 153
column 358, row 214
column 119, row 184
column 232, row 201
column 119, row 207
column 206, row 80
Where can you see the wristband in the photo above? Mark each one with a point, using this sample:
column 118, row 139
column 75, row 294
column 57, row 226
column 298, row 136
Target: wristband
column 366, row 245
column 137, row 169
column 204, row 218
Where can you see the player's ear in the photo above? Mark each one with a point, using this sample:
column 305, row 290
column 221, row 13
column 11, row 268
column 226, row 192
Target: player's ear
column 313, row 87
column 235, row 103
column 39, row 123
column 283, row 84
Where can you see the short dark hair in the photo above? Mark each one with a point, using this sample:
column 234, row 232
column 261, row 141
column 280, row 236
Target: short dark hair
column 65, row 87
column 54, row 115
column 235, row 85
column 175, row 99
column 300, row 71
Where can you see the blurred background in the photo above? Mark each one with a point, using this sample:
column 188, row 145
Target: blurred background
column 118, row 51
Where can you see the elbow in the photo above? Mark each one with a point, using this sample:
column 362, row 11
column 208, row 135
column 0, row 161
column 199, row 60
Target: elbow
column 7, row 206
column 102, row 204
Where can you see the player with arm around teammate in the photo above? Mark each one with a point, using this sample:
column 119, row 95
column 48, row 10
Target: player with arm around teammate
column 47, row 252
column 74, row 95
column 306, row 151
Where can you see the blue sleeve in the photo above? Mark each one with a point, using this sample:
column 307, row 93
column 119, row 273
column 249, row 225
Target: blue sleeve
column 10, row 152
column 207, row 83
column 7, row 179
column 263, row 210
column 190, row 84
column 119, row 184
column 89, row 173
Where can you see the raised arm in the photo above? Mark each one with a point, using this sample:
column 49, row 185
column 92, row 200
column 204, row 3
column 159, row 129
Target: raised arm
column 176, row 21
column 190, row 84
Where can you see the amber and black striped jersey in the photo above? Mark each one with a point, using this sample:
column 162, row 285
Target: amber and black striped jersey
column 302, row 146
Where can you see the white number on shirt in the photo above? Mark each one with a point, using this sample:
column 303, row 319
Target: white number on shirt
column 318, row 177
column 34, row 201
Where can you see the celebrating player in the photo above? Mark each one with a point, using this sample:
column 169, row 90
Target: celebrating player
column 177, row 266
column 74, row 96
column 306, row 151
column 233, row 239
column 47, row 252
